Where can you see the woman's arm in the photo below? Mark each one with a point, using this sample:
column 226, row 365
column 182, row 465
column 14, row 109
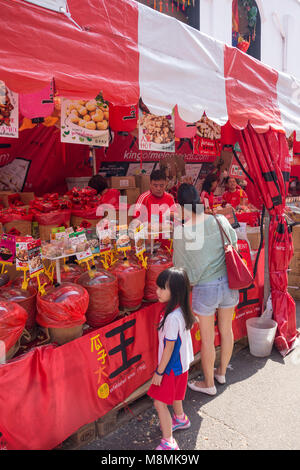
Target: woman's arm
column 165, row 358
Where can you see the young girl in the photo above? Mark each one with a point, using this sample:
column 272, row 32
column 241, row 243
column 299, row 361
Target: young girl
column 175, row 353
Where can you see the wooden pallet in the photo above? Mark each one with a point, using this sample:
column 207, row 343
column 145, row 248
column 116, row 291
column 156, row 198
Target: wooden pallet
column 138, row 402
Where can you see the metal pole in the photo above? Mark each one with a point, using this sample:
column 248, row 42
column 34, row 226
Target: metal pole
column 266, row 270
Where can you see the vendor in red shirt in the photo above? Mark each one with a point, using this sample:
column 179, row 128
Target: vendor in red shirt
column 207, row 194
column 156, row 201
column 108, row 195
column 235, row 196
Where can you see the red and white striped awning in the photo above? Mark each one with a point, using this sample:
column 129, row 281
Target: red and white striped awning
column 127, row 50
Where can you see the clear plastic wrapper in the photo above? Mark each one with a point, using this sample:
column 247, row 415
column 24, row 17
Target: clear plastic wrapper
column 63, row 306
column 13, row 318
column 102, row 287
column 155, row 265
column 71, row 272
column 131, row 281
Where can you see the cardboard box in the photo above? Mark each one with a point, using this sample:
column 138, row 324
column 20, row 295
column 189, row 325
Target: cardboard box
column 132, row 195
column 296, row 237
column 254, row 238
column 26, row 197
column 4, row 197
column 295, row 263
column 142, row 182
column 294, row 285
column 122, row 182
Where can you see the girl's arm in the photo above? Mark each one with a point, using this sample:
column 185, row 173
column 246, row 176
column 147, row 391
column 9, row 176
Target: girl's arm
column 165, row 358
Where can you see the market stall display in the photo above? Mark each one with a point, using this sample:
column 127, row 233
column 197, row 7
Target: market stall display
column 131, row 283
column 102, row 287
column 156, row 263
column 13, row 318
column 62, row 310
column 25, row 298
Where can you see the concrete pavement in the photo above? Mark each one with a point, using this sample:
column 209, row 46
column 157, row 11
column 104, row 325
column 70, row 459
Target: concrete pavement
column 257, row 409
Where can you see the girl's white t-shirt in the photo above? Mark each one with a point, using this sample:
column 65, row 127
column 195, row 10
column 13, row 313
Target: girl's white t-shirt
column 174, row 330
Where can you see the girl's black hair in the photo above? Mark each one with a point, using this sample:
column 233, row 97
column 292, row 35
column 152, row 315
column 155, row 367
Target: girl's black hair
column 177, row 281
column 209, row 180
column 188, row 194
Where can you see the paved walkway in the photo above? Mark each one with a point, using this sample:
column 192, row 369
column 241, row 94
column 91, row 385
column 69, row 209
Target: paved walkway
column 258, row 408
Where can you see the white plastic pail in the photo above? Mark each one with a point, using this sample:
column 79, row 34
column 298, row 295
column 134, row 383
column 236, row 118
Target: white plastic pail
column 261, row 334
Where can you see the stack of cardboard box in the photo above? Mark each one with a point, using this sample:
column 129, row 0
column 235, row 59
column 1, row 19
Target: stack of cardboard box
column 294, row 267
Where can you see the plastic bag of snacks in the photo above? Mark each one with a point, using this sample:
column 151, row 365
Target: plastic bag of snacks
column 70, row 272
column 102, row 287
column 131, row 282
column 155, row 265
column 62, row 307
column 25, row 298
column 12, row 323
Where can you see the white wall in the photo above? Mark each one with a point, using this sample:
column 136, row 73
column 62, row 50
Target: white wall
column 216, row 20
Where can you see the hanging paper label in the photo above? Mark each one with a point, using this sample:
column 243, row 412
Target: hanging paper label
column 207, row 140
column 35, row 257
column 85, row 122
column 9, row 112
column 156, row 132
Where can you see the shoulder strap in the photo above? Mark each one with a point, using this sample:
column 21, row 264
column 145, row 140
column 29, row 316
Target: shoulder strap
column 222, row 231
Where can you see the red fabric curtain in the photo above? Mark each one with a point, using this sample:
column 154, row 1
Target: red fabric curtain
column 267, row 157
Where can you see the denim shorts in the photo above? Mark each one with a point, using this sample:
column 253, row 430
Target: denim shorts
column 206, row 298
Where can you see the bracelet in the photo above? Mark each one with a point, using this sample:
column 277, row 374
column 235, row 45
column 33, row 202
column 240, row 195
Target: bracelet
column 158, row 373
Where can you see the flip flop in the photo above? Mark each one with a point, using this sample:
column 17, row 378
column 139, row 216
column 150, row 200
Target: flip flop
column 207, row 390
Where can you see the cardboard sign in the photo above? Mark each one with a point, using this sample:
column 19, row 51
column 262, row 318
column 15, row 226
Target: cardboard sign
column 35, row 262
column 156, row 132
column 9, row 112
column 7, row 248
column 85, row 122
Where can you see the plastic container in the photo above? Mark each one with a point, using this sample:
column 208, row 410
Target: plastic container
column 12, row 323
column 80, row 182
column 102, row 287
column 25, row 298
column 261, row 334
column 155, row 265
column 131, row 281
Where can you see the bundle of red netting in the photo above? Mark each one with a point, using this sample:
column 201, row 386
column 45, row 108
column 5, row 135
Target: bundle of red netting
column 63, row 306
column 13, row 318
column 102, row 287
column 131, row 281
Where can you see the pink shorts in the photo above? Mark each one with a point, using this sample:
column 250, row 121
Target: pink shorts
column 172, row 387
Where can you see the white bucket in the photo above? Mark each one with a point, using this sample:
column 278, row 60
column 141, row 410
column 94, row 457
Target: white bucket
column 261, row 334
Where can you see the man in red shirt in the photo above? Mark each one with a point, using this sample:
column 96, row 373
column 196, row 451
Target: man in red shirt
column 156, row 206
column 235, row 196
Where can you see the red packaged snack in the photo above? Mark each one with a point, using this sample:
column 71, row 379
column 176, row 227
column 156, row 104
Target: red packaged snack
column 102, row 287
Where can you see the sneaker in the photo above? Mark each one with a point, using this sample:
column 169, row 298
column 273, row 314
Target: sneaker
column 178, row 423
column 166, row 445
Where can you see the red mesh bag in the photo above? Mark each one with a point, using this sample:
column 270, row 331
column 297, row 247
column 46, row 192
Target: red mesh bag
column 102, row 287
column 131, row 281
column 12, row 323
column 25, row 298
column 62, row 307
column 156, row 264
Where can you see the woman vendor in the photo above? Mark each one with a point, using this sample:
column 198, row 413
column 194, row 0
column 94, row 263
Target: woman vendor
column 235, row 195
column 108, row 195
column 207, row 194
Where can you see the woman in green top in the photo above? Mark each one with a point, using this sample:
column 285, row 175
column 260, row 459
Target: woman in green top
column 198, row 248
